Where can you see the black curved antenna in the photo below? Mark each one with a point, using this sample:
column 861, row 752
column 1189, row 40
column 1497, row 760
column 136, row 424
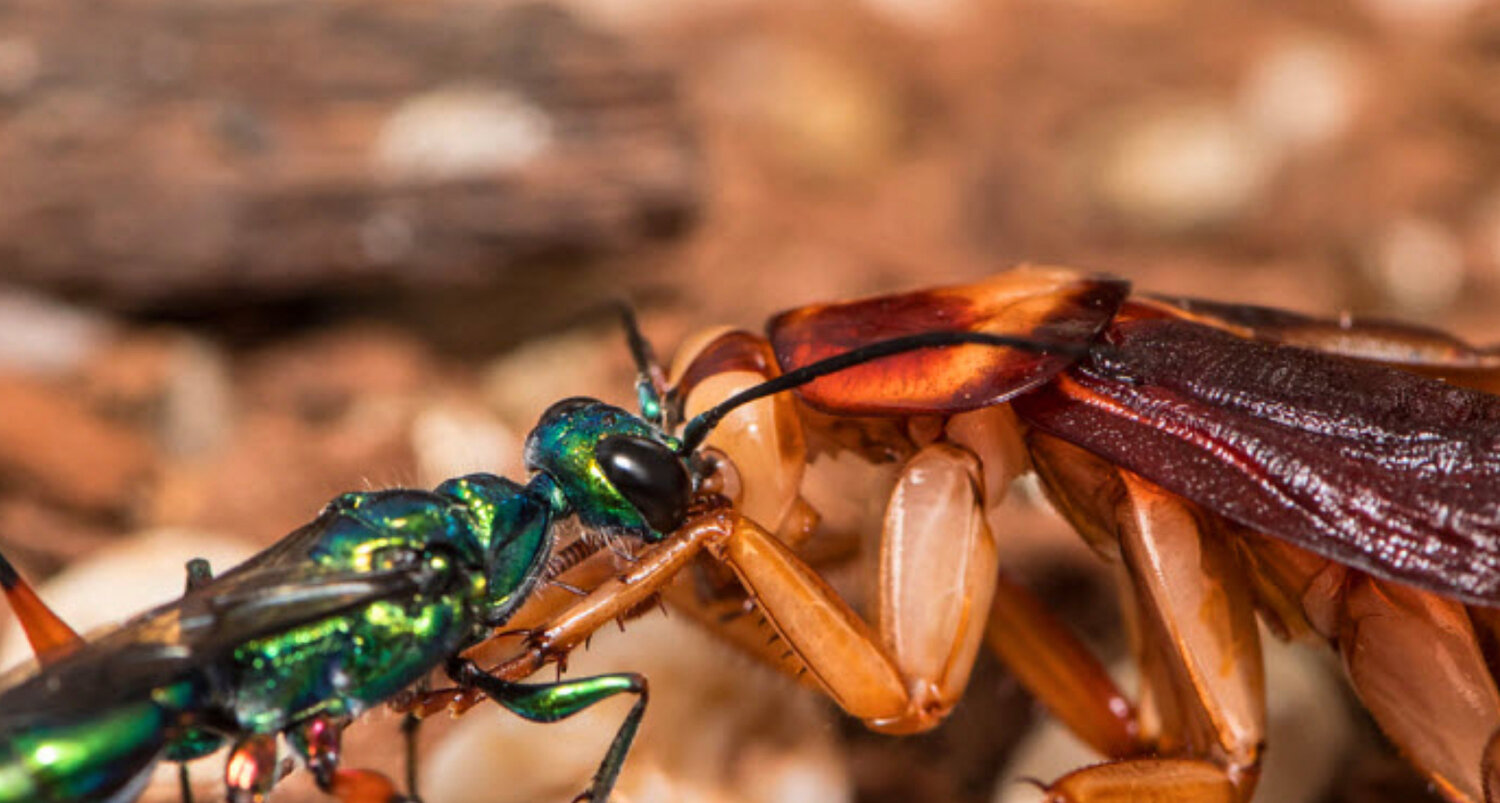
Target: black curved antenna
column 703, row 423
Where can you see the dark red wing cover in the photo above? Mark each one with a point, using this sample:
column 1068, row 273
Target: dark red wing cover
column 1374, row 467
column 1056, row 305
column 1394, row 342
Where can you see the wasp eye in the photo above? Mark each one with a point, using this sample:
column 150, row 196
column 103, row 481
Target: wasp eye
column 650, row 476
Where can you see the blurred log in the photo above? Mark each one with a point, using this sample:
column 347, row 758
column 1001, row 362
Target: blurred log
column 55, row 447
column 162, row 151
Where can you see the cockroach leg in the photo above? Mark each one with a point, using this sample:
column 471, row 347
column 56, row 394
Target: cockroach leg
column 1062, row 673
column 1196, row 614
column 1150, row 780
column 1490, row 769
column 1191, row 616
column 763, row 438
column 1415, row 663
column 614, row 598
column 938, row 569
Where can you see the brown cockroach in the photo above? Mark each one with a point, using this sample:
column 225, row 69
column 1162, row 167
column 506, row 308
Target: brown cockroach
column 1340, row 479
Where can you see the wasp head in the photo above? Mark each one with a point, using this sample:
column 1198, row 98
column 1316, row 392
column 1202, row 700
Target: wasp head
column 620, row 474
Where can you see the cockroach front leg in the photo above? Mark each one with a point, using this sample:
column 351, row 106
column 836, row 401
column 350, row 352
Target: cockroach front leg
column 937, row 577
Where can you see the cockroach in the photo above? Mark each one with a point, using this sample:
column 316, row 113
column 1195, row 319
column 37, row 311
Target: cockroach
column 1337, row 479
column 347, row 612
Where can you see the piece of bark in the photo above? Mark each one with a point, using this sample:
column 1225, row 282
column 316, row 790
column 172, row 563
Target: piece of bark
column 42, row 539
column 163, row 151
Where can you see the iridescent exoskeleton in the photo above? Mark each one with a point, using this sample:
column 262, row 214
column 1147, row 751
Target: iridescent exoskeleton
column 347, row 612
column 373, row 595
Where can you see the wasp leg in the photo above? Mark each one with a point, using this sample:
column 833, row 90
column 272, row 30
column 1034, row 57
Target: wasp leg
column 550, row 702
column 320, row 743
column 250, row 771
column 184, row 783
column 614, row 598
column 199, row 573
column 411, row 724
column 51, row 638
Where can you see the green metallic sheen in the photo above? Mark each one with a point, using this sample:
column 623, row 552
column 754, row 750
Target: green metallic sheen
column 82, row 760
column 515, row 524
column 339, row 616
column 563, row 446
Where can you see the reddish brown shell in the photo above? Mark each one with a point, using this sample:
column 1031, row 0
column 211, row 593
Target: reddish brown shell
column 1053, row 305
column 1419, row 349
column 1371, row 466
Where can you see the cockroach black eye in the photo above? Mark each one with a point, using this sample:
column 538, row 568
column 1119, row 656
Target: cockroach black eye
column 650, row 476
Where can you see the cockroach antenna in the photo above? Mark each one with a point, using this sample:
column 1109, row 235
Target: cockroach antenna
column 704, row 423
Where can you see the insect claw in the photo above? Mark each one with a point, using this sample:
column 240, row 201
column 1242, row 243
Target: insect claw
column 622, row 553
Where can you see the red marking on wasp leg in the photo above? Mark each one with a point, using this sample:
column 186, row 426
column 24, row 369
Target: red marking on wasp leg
column 50, row 636
column 250, row 771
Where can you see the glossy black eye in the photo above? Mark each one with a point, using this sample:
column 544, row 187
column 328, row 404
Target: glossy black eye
column 650, row 476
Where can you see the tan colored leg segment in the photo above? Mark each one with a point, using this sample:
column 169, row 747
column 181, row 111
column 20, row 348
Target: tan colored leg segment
column 938, row 564
column 941, row 566
column 1199, row 616
column 1152, row 780
column 1414, row 661
column 1189, row 611
column 1061, row 672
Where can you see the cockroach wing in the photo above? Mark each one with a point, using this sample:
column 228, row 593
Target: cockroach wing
column 1420, row 349
column 1053, row 305
column 1374, row 467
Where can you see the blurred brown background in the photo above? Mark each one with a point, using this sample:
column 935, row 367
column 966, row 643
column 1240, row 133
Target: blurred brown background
column 253, row 254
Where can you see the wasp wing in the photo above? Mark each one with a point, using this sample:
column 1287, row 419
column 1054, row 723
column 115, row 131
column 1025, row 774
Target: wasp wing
column 275, row 591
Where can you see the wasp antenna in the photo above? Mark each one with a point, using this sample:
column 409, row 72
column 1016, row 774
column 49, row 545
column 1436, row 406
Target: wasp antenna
column 650, row 378
column 50, row 636
column 698, row 428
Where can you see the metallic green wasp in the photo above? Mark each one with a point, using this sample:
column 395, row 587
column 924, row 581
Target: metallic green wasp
column 379, row 590
column 341, row 615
